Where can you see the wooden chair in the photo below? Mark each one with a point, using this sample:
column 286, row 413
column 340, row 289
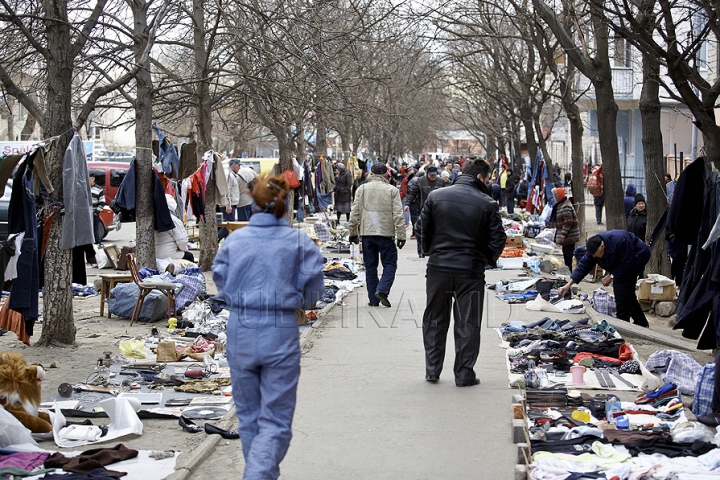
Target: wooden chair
column 169, row 289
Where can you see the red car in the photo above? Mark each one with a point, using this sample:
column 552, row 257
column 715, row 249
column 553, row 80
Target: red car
column 108, row 176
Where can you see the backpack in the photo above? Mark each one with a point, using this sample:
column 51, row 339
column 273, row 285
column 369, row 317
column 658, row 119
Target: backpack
column 595, row 181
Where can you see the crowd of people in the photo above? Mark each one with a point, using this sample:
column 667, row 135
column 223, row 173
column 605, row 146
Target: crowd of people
column 384, row 204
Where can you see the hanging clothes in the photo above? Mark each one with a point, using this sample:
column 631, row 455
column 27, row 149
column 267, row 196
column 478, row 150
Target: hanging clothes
column 14, row 322
column 24, row 291
column 188, row 159
column 167, row 155
column 197, row 194
column 77, row 224
column 124, row 201
column 163, row 220
column 221, row 186
column 7, row 165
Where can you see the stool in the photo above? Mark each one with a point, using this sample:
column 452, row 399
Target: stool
column 111, row 279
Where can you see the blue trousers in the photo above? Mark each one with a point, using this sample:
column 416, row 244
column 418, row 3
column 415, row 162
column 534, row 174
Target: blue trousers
column 265, row 367
column 376, row 249
column 228, row 217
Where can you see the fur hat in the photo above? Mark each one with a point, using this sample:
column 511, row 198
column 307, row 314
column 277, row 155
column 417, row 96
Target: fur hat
column 432, row 170
column 379, row 168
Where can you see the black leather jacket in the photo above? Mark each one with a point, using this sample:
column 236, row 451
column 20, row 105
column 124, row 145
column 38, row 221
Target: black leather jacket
column 461, row 229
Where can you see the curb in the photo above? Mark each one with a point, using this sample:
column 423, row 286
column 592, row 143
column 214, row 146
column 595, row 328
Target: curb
column 627, row 328
column 188, row 462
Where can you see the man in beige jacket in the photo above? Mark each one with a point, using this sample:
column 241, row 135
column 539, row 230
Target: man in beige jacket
column 377, row 217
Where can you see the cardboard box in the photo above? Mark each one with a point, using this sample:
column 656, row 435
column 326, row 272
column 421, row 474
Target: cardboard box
column 514, row 240
column 651, row 291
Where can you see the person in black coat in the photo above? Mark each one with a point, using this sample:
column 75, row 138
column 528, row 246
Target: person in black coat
column 461, row 230
column 343, row 191
column 637, row 221
column 510, row 184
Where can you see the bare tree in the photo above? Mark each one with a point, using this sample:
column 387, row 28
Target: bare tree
column 55, row 44
column 593, row 60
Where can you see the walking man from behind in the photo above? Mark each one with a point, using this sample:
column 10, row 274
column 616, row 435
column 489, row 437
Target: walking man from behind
column 461, row 230
column 377, row 217
column 623, row 255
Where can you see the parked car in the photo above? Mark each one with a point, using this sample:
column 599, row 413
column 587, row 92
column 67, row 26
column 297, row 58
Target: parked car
column 114, row 156
column 108, row 176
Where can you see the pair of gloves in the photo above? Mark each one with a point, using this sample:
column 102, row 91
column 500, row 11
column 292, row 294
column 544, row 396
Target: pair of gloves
column 356, row 240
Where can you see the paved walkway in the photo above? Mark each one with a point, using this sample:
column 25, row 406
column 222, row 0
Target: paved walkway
column 365, row 411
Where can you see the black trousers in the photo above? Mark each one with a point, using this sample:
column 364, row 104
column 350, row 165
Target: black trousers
column 626, row 300
column 467, row 308
column 568, row 251
column 598, row 213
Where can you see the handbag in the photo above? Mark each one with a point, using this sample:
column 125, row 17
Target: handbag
column 291, row 178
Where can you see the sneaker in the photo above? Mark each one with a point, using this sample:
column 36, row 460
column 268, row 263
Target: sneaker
column 94, row 265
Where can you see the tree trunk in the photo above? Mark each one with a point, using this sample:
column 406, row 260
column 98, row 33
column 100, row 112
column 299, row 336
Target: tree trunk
column 321, row 138
column 285, row 163
column 10, row 121
column 144, row 206
column 654, row 161
column 208, row 227
column 28, row 128
column 59, row 324
column 530, row 136
column 607, row 121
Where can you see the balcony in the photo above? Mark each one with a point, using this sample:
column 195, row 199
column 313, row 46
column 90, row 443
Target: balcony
column 622, row 81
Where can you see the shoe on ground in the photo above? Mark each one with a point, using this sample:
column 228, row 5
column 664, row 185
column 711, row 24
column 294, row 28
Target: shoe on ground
column 373, row 304
column 383, row 299
column 227, row 434
column 412, row 237
column 422, row 255
column 712, row 420
column 432, row 378
column 469, row 384
column 188, row 425
column 94, row 265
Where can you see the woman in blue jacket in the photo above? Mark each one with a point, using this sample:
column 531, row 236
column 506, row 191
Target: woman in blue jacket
column 264, row 273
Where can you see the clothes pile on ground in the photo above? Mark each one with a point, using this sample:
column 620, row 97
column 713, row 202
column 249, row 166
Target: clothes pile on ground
column 602, row 437
column 83, row 291
column 342, row 276
column 107, row 463
column 543, row 352
column 331, row 236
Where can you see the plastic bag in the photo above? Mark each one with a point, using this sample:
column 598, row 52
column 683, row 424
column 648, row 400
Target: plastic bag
column 133, row 348
column 12, row 432
column 354, row 251
column 692, row 431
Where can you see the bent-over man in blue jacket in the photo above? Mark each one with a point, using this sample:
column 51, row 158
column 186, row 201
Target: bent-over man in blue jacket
column 623, row 255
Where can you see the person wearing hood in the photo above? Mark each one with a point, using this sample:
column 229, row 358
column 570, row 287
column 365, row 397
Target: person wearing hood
column 377, row 218
column 461, row 229
column 565, row 221
column 173, row 243
column 630, row 192
column 343, row 191
column 637, row 221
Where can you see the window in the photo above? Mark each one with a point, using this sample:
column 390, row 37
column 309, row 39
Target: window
column 99, row 175
column 622, row 55
column 116, row 177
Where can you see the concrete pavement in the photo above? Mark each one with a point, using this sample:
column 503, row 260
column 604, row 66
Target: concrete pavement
column 365, row 411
